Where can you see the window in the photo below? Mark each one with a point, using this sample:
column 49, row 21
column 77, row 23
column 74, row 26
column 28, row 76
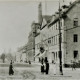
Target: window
column 61, row 23
column 56, row 55
column 75, row 54
column 61, row 37
column 56, row 26
column 54, row 39
column 75, row 22
column 49, row 41
column 75, row 37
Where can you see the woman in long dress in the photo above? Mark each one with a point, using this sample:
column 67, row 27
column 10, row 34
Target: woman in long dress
column 11, row 72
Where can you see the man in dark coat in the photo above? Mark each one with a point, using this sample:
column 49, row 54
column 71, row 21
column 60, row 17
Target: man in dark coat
column 11, row 72
column 42, row 68
column 47, row 67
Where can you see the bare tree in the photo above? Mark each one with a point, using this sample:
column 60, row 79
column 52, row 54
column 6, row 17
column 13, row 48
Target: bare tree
column 3, row 57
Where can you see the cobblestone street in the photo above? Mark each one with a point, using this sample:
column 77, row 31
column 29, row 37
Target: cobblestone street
column 33, row 73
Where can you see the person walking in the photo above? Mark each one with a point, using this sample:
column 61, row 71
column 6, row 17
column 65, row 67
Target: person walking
column 73, row 65
column 11, row 72
column 47, row 67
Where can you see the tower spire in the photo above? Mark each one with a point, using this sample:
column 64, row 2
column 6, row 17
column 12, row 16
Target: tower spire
column 40, row 13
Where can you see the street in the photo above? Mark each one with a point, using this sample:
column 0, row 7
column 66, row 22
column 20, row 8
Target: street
column 33, row 73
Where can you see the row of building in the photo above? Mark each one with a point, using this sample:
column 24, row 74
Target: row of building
column 44, row 36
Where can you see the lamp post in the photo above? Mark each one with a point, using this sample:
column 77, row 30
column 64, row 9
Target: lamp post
column 60, row 52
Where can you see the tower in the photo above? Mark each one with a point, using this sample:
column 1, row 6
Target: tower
column 40, row 13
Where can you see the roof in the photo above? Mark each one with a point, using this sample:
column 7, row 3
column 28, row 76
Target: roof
column 47, row 18
column 65, row 12
column 35, row 24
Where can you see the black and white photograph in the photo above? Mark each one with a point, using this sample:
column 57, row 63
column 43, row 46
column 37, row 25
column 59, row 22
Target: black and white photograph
column 39, row 39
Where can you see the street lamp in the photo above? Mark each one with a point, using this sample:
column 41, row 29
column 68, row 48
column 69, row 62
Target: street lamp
column 60, row 52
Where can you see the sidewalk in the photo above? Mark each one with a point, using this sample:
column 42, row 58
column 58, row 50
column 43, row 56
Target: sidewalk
column 35, row 73
column 68, row 73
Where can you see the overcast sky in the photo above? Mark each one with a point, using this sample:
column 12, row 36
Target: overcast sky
column 16, row 17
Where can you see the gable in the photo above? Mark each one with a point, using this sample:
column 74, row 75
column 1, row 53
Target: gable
column 43, row 23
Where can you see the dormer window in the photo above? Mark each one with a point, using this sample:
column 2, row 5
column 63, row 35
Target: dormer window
column 75, row 22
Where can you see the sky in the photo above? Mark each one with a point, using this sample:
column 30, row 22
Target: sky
column 16, row 17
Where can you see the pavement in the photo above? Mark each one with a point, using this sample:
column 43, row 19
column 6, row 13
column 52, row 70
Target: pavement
column 33, row 73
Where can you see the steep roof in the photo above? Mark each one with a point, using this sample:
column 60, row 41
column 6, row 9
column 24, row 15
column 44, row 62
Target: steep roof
column 64, row 12
column 47, row 18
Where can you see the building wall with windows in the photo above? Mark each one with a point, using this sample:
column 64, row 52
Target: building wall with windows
column 21, row 54
column 31, row 41
column 41, row 41
column 54, row 40
column 72, row 23
column 31, row 44
column 70, row 33
column 49, row 37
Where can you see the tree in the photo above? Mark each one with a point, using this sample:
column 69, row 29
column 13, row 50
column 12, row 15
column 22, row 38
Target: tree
column 9, row 57
column 3, row 57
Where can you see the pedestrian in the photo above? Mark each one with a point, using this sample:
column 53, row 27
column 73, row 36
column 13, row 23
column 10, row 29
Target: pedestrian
column 73, row 65
column 42, row 68
column 47, row 67
column 29, row 62
column 11, row 72
column 54, row 66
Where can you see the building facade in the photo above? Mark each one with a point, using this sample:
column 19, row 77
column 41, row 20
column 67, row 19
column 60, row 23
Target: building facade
column 70, row 33
column 31, row 42
column 21, row 54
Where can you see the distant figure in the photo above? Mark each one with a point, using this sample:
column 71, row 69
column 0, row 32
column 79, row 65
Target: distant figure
column 54, row 68
column 52, row 61
column 42, row 68
column 11, row 72
column 73, row 65
column 29, row 62
column 47, row 67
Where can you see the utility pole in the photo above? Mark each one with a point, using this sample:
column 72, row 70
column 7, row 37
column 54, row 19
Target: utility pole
column 60, row 52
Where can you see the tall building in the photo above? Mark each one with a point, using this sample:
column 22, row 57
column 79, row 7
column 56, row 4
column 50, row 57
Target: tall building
column 70, row 33
column 21, row 54
column 39, row 39
column 31, row 41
